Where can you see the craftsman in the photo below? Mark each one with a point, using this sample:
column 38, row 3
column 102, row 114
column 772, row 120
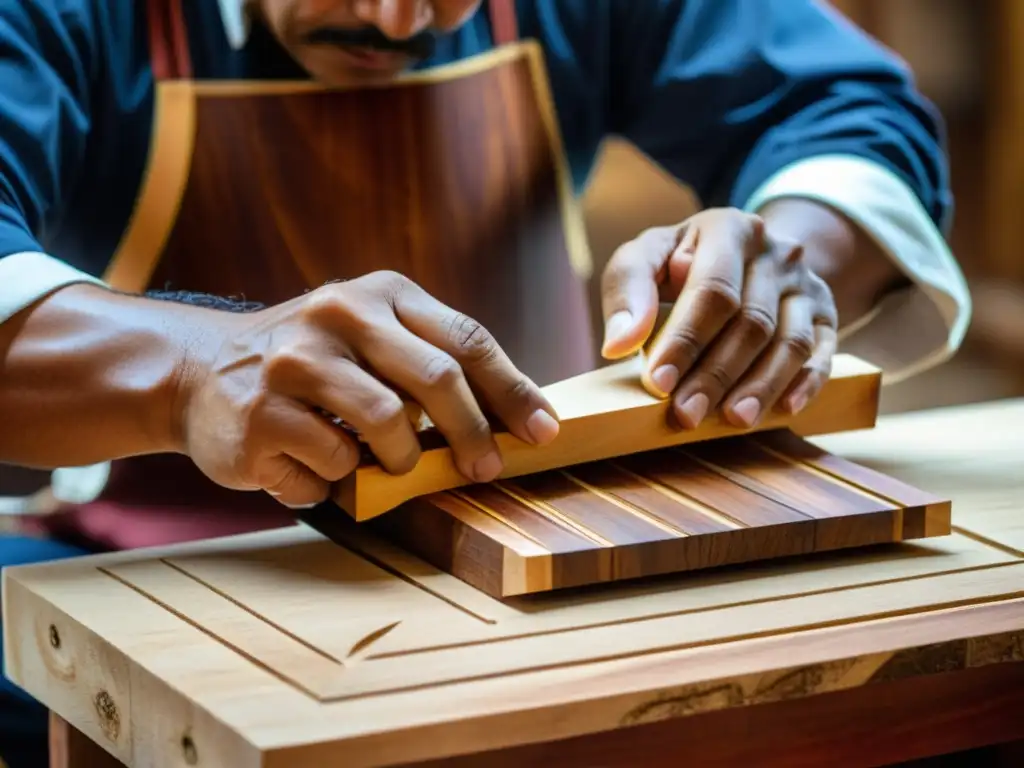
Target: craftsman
column 820, row 168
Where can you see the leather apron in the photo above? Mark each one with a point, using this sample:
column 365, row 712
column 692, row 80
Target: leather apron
column 454, row 177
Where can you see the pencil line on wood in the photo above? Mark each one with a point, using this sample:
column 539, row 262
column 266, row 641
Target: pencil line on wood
column 685, row 500
column 627, row 506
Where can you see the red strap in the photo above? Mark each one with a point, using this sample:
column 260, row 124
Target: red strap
column 168, row 40
column 504, row 25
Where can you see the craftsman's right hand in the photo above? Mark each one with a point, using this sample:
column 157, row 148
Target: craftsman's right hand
column 251, row 410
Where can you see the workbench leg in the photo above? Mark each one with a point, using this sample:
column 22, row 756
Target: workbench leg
column 70, row 748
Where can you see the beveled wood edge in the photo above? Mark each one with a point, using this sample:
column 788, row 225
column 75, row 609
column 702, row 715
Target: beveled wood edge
column 371, row 491
column 640, row 689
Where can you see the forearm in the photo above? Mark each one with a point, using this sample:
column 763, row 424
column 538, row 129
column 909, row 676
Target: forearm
column 89, row 375
column 857, row 270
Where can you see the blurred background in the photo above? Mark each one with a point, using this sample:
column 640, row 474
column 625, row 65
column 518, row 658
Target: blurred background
column 968, row 57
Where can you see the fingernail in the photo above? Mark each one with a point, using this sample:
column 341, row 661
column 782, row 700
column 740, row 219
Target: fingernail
column 665, row 378
column 618, row 325
column 487, row 468
column 747, row 410
column 301, row 506
column 797, row 402
column 541, row 427
column 693, row 411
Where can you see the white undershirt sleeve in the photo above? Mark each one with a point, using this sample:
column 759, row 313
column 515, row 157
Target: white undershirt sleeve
column 912, row 329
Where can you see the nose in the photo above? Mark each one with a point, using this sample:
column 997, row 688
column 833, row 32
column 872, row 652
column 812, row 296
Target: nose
column 398, row 19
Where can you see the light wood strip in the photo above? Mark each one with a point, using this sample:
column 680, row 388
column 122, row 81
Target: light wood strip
column 663, row 503
column 589, row 507
column 683, row 475
column 544, row 508
column 681, row 497
column 632, row 509
column 869, row 481
column 549, row 532
column 487, row 522
column 747, row 464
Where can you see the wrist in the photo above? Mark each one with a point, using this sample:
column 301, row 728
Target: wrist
column 93, row 375
column 857, row 270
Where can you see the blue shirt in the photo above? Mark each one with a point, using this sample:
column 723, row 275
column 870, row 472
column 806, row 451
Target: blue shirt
column 741, row 100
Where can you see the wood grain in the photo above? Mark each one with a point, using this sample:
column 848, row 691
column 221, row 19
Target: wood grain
column 884, row 724
column 287, row 649
column 704, row 505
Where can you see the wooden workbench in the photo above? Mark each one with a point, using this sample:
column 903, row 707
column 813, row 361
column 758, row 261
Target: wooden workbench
column 286, row 649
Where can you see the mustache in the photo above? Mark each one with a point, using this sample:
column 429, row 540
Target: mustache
column 420, row 46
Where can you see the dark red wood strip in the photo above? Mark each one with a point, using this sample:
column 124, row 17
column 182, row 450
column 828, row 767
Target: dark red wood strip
column 747, row 503
column 608, row 520
column 872, row 480
column 747, row 463
column 547, row 532
column 633, row 490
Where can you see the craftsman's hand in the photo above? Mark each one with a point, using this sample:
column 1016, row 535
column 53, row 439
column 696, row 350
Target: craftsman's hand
column 751, row 328
column 252, row 415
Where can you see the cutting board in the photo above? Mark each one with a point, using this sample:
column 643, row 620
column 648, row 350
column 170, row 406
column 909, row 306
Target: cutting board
column 721, row 502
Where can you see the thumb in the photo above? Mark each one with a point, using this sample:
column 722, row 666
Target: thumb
column 629, row 298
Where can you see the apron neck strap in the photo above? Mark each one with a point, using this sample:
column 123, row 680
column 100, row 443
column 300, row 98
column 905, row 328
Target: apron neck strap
column 168, row 40
column 504, row 26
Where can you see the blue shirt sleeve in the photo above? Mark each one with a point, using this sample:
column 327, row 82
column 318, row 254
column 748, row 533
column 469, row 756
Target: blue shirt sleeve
column 47, row 61
column 725, row 93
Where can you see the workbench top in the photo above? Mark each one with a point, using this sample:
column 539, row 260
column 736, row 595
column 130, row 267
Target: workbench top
column 286, row 649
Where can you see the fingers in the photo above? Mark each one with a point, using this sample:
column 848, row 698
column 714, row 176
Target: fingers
column 303, row 454
column 760, row 388
column 736, row 349
column 630, row 291
column 291, row 483
column 710, row 300
column 437, row 382
column 815, row 372
column 467, row 360
column 373, row 409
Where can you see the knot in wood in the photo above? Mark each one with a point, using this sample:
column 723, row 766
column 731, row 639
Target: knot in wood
column 54, row 637
column 110, row 718
column 188, row 749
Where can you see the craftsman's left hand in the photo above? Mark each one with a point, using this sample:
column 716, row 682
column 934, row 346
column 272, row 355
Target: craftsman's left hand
column 751, row 328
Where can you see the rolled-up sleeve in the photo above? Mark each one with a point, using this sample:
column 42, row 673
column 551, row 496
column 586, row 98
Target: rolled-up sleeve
column 748, row 101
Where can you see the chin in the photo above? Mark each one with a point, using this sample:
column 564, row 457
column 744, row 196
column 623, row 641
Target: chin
column 336, row 68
